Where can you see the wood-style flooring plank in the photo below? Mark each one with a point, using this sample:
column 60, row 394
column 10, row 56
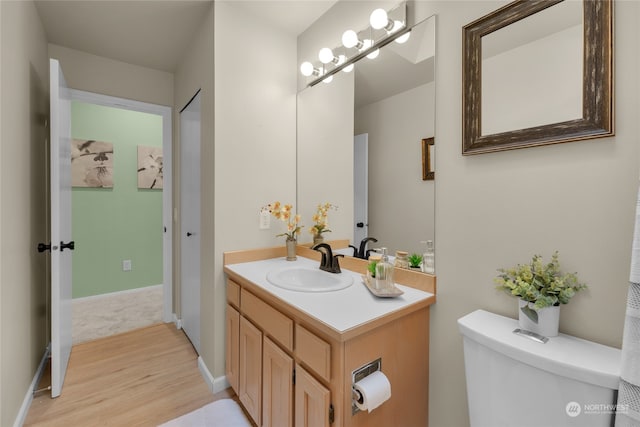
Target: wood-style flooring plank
column 140, row 378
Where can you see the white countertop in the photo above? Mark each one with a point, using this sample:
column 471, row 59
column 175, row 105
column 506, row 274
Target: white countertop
column 341, row 310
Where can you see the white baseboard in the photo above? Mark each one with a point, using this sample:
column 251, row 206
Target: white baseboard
column 216, row 385
column 124, row 292
column 177, row 322
column 28, row 397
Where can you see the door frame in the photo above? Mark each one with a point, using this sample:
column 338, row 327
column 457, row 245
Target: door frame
column 167, row 172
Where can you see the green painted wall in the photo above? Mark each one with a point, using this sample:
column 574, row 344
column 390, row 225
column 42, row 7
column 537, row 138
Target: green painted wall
column 123, row 222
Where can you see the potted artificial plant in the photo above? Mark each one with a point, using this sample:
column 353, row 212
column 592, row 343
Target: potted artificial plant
column 414, row 261
column 540, row 289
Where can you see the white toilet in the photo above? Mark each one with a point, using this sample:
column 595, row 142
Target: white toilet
column 515, row 381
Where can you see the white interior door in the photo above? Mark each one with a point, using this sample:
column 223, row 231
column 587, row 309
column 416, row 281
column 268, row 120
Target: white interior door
column 61, row 243
column 190, row 220
column 360, row 187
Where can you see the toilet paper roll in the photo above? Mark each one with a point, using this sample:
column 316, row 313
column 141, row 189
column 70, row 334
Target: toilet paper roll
column 375, row 389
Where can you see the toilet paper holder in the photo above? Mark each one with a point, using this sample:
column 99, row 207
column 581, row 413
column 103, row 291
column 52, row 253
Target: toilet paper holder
column 357, row 375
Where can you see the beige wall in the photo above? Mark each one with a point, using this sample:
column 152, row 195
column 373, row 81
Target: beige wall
column 255, row 140
column 24, row 87
column 497, row 210
column 106, row 76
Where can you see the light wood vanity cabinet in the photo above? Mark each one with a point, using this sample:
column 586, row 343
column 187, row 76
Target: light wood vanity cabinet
column 250, row 372
column 291, row 370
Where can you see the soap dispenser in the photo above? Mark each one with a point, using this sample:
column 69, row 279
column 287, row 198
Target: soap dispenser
column 428, row 258
column 384, row 272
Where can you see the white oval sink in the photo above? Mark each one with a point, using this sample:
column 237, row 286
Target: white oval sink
column 308, row 279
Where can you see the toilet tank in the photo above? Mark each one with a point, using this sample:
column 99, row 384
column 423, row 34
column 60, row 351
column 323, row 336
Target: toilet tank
column 515, row 381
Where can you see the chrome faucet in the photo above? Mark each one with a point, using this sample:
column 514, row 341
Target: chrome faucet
column 329, row 261
column 363, row 252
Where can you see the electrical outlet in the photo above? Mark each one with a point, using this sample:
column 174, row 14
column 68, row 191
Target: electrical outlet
column 265, row 220
column 126, row 265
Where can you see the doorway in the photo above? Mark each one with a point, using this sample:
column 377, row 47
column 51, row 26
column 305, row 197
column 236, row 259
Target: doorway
column 361, row 187
column 190, row 144
column 140, row 241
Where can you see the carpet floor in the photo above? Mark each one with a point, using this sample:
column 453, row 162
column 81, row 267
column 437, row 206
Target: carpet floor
column 110, row 314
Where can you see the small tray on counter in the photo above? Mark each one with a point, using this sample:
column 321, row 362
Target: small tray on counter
column 381, row 293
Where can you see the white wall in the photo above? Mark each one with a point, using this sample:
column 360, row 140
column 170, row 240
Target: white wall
column 496, row 210
column 401, row 211
column 518, row 84
column 24, row 90
column 97, row 74
column 325, row 155
column 255, row 140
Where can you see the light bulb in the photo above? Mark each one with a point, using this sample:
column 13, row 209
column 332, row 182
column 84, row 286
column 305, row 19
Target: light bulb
column 379, row 19
column 397, row 26
column 374, row 54
column 350, row 39
column 341, row 59
column 348, row 68
column 325, row 55
column 403, row 38
column 306, row 68
column 328, row 79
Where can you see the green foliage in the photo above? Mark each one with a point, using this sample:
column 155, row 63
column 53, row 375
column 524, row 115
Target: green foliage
column 542, row 284
column 415, row 260
column 372, row 268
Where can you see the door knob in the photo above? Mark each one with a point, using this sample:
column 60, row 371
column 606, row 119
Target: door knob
column 189, row 234
column 360, row 225
column 71, row 245
column 44, row 247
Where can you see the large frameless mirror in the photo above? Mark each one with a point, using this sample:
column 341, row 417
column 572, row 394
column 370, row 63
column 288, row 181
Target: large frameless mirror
column 360, row 146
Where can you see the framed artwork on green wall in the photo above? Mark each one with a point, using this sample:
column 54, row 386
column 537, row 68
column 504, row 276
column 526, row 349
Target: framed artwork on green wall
column 150, row 167
column 91, row 163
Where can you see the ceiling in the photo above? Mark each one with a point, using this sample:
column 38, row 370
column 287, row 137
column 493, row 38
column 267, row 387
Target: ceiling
column 155, row 33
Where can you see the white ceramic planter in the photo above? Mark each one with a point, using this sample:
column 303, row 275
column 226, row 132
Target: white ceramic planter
column 548, row 320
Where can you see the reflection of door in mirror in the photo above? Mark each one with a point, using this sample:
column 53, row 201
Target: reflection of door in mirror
column 393, row 103
column 360, row 187
column 532, row 70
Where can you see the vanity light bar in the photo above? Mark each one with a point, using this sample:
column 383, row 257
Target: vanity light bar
column 395, row 28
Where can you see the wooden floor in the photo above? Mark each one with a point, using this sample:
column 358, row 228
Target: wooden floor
column 140, row 378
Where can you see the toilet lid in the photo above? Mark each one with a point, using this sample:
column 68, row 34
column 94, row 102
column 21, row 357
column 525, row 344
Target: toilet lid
column 563, row 355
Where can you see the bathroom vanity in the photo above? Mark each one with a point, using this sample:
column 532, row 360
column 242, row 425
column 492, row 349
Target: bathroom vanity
column 291, row 356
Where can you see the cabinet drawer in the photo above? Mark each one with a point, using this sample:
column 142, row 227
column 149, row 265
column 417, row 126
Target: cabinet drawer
column 233, row 293
column 314, row 352
column 271, row 321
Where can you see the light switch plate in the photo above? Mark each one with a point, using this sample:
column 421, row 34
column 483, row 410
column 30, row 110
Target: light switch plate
column 126, row 265
column 265, row 220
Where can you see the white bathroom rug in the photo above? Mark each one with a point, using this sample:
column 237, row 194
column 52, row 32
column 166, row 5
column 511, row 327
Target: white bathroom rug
column 221, row 413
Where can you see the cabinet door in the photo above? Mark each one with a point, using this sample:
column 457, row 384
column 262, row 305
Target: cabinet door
column 250, row 387
column 277, row 386
column 312, row 401
column 232, row 362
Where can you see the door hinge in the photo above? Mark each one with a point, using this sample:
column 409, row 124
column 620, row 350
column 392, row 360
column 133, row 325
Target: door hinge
column 332, row 414
column 293, row 376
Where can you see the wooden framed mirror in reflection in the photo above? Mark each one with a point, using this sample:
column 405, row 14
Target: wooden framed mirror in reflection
column 368, row 127
column 538, row 72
